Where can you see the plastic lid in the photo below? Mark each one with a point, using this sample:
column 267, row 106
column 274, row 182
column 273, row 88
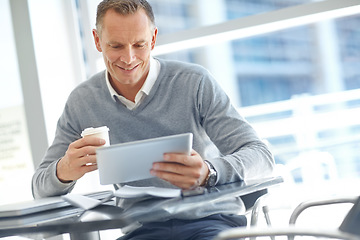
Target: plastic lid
column 91, row 130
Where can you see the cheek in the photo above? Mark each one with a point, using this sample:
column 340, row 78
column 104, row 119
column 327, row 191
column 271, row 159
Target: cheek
column 111, row 56
column 144, row 55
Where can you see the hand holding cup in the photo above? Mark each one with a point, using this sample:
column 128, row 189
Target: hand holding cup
column 80, row 158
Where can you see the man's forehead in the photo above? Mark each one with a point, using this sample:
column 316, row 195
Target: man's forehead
column 132, row 22
column 137, row 18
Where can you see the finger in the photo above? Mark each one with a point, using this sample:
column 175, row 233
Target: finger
column 81, row 154
column 179, row 158
column 178, row 180
column 87, row 160
column 174, row 167
column 87, row 141
column 72, row 168
column 90, row 168
column 85, row 169
column 178, row 174
column 88, row 150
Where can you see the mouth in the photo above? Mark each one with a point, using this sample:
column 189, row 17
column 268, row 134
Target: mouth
column 129, row 69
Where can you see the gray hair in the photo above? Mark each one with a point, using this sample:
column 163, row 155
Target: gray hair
column 123, row 7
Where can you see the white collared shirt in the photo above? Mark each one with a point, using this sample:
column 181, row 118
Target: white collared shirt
column 145, row 89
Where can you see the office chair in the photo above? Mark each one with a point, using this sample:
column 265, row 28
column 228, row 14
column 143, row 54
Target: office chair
column 253, row 204
column 251, row 199
column 349, row 228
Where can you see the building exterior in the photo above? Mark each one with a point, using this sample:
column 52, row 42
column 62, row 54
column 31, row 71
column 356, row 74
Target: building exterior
column 295, row 66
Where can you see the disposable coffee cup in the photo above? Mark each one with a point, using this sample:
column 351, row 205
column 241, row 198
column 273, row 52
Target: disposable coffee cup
column 100, row 132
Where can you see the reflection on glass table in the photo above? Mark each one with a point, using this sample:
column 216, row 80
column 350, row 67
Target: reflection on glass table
column 65, row 218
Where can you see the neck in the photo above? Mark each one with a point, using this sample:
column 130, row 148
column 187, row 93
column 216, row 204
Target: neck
column 128, row 91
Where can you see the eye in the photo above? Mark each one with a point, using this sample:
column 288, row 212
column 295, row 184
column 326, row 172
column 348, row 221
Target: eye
column 115, row 46
column 140, row 45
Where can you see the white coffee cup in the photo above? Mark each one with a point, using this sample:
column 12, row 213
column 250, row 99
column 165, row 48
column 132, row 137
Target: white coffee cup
column 100, row 132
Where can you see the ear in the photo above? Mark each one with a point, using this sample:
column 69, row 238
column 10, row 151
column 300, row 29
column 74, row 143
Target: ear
column 153, row 40
column 97, row 40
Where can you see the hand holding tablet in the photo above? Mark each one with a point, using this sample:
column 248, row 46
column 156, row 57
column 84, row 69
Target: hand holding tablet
column 132, row 161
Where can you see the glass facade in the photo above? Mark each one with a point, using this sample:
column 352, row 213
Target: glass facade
column 293, row 67
column 349, row 42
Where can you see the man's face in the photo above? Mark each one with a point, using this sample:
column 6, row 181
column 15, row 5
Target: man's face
column 126, row 43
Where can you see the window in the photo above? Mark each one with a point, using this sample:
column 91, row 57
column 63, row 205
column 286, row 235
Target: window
column 291, row 71
column 16, row 164
column 295, row 70
column 298, row 86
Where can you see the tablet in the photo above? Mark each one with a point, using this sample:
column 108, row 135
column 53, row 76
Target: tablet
column 132, row 161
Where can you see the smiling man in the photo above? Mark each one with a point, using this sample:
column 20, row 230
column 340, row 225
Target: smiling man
column 140, row 97
column 126, row 49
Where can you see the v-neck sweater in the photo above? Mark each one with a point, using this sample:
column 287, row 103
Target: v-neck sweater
column 184, row 98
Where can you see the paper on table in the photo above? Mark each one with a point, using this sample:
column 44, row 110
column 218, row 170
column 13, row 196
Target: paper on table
column 133, row 192
column 84, row 202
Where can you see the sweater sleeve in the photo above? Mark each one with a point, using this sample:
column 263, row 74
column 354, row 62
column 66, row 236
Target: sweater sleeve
column 243, row 154
column 45, row 182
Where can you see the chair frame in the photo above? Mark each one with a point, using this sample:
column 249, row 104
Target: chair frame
column 290, row 231
column 348, row 230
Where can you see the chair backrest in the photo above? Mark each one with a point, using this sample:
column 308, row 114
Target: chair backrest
column 351, row 223
column 250, row 199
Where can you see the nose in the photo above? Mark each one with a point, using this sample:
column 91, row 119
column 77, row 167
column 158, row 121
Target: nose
column 128, row 56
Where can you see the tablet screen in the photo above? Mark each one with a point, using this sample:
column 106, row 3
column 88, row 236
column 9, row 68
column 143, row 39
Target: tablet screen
column 132, row 161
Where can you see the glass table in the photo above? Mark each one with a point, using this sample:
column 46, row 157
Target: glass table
column 86, row 224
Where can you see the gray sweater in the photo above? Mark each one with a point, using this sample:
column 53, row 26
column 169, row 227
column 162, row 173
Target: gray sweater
column 184, row 98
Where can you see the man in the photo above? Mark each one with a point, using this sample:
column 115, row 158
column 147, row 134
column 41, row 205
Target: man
column 140, row 97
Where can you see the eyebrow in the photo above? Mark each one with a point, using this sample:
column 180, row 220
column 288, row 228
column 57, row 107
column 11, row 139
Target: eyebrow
column 115, row 42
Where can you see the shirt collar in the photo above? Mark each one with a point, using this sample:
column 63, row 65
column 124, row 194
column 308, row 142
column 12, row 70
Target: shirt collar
column 152, row 76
